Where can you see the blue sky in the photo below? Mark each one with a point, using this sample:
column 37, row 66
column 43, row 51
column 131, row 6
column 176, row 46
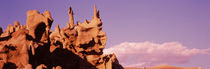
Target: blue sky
column 157, row 21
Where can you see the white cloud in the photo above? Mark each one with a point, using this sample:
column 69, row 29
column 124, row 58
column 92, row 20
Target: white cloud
column 144, row 54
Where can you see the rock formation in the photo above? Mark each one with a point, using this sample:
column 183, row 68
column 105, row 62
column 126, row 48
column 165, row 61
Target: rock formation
column 34, row 46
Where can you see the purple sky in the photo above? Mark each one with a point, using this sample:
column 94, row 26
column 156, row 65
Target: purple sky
column 158, row 21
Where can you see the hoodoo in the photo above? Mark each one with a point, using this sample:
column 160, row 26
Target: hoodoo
column 34, row 46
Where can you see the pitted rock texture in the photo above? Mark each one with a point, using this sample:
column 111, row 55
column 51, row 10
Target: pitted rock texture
column 34, row 46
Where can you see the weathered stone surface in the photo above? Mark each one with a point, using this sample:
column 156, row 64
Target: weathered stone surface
column 16, row 25
column 34, row 46
column 39, row 24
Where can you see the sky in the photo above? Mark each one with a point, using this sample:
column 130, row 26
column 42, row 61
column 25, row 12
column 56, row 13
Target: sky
column 155, row 32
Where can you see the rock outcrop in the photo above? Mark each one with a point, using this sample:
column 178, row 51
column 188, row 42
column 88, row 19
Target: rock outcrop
column 34, row 46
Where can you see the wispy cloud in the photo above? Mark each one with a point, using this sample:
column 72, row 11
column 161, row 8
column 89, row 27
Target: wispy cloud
column 141, row 54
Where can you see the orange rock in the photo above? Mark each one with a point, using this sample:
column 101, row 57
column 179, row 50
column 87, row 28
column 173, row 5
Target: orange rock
column 58, row 67
column 10, row 29
column 39, row 24
column 33, row 45
column 28, row 66
column 16, row 25
column 42, row 66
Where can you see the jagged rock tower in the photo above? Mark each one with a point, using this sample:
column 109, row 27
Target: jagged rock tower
column 34, row 46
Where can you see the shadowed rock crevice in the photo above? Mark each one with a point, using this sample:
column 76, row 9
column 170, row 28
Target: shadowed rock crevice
column 35, row 46
column 39, row 31
column 5, row 38
column 9, row 66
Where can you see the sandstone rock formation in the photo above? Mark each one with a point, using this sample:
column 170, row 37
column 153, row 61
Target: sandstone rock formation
column 34, row 46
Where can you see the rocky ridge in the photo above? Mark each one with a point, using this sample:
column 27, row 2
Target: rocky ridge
column 34, row 46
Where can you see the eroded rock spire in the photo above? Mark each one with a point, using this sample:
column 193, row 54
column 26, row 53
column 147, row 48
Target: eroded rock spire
column 71, row 19
column 74, row 47
column 96, row 13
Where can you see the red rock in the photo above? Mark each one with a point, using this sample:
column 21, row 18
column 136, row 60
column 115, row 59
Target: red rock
column 33, row 45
